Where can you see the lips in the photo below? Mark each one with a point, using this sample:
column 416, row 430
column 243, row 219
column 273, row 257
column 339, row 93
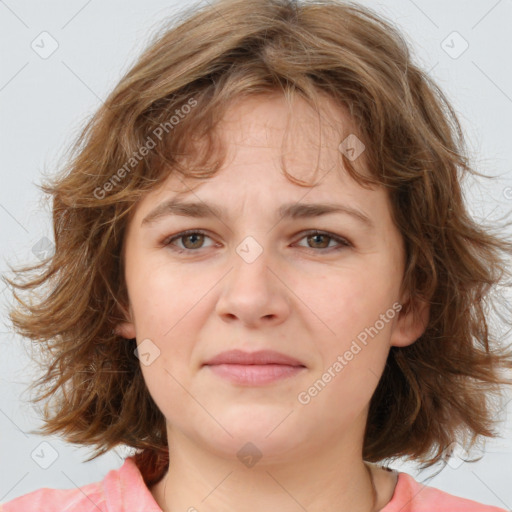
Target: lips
column 261, row 357
column 260, row 368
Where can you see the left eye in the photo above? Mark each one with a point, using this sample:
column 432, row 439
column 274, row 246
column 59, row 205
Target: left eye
column 321, row 234
column 196, row 238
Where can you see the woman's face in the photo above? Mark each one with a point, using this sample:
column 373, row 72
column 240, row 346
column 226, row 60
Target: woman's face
column 254, row 280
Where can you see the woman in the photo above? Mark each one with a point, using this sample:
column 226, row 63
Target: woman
column 266, row 280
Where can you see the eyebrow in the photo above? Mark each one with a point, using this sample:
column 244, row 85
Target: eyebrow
column 291, row 210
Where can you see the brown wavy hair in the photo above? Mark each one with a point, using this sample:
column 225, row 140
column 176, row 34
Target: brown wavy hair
column 435, row 392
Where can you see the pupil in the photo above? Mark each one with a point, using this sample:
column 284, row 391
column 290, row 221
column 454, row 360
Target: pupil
column 318, row 236
column 194, row 236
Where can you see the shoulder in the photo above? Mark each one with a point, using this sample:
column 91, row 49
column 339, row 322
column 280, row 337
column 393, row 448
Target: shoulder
column 87, row 499
column 120, row 487
column 413, row 496
column 54, row 500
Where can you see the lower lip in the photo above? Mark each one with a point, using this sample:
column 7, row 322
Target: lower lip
column 255, row 374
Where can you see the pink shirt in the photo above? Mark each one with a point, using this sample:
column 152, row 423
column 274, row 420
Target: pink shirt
column 123, row 490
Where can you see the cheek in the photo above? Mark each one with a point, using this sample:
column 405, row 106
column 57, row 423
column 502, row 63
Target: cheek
column 160, row 295
column 352, row 338
column 347, row 302
column 165, row 310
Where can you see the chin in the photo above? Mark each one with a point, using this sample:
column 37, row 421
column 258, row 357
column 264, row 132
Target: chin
column 250, row 448
column 269, row 434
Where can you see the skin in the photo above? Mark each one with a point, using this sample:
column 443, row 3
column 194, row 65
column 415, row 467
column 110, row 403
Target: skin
column 300, row 297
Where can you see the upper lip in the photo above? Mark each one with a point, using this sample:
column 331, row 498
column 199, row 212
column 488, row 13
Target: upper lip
column 259, row 357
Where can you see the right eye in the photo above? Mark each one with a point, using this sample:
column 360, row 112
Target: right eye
column 194, row 236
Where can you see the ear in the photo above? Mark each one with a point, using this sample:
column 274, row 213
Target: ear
column 126, row 329
column 411, row 322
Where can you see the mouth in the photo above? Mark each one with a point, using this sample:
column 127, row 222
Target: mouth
column 255, row 374
column 256, row 368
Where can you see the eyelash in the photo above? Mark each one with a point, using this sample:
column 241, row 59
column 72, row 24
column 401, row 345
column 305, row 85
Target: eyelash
column 343, row 242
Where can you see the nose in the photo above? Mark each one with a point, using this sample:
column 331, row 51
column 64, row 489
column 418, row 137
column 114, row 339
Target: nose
column 254, row 291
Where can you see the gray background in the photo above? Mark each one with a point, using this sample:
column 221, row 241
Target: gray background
column 46, row 99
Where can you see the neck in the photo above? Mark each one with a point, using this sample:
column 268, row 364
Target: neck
column 328, row 480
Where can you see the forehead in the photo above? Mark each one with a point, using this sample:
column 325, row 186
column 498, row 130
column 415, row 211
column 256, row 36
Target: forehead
column 264, row 133
column 264, row 119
